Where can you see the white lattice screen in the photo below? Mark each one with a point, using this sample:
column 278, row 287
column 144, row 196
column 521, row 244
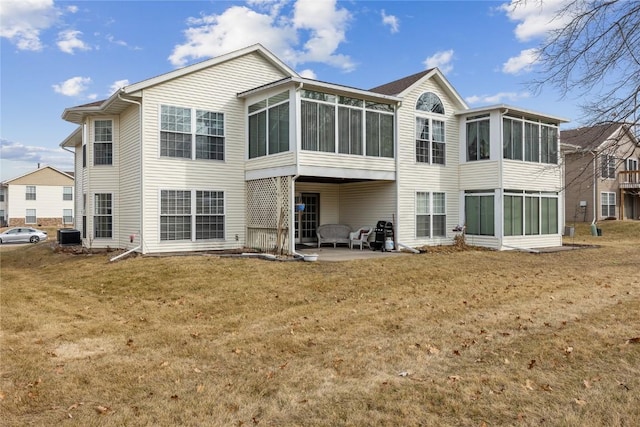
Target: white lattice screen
column 268, row 212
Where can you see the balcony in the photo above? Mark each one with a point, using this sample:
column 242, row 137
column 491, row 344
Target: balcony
column 629, row 179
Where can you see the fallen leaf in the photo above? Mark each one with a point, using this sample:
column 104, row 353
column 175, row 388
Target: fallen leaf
column 163, row 364
column 101, row 409
column 433, row 350
column 403, row 374
column 587, row 384
column 528, row 385
column 532, row 363
column 580, row 402
column 197, row 371
column 454, row 378
column 199, row 388
column 635, row 340
column 568, row 350
column 547, row 387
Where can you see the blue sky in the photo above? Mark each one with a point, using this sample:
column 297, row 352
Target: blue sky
column 58, row 54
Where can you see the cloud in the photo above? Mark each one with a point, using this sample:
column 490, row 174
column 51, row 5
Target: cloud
column 522, row 62
column 498, row 98
column 308, row 74
column 320, row 23
column 22, row 21
column 391, row 21
column 536, row 18
column 72, row 9
column 74, row 86
column 117, row 85
column 442, row 60
column 18, row 152
column 68, row 41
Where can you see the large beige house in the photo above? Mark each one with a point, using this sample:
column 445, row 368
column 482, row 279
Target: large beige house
column 602, row 173
column 216, row 155
column 42, row 197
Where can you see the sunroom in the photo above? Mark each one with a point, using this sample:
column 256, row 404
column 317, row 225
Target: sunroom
column 329, row 148
column 510, row 178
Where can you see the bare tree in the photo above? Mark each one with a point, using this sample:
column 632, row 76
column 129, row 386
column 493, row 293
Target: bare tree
column 596, row 55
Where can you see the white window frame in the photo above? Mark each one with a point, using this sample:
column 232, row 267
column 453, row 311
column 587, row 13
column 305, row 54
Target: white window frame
column 97, row 214
column 30, row 219
column 193, row 213
column 193, row 129
column 471, row 120
column 269, row 107
column 430, row 211
column 67, row 193
column 30, row 192
column 610, row 198
column 107, row 143
column 67, row 216
column 607, row 166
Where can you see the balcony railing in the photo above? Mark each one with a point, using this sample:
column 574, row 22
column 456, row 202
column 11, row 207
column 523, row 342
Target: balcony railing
column 629, row 179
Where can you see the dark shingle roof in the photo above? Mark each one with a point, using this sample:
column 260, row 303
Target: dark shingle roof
column 90, row 104
column 397, row 86
column 589, row 137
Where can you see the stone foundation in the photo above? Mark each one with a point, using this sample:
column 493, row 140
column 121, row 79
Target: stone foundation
column 41, row 222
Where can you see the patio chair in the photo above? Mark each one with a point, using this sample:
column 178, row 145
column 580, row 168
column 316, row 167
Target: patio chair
column 360, row 237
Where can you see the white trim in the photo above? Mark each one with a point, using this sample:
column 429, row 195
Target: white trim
column 347, row 173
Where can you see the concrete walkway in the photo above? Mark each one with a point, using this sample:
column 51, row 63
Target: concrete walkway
column 343, row 253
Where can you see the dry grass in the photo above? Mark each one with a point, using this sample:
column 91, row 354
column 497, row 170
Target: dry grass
column 480, row 338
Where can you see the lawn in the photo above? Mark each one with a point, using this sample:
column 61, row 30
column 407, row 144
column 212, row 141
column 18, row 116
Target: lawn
column 461, row 338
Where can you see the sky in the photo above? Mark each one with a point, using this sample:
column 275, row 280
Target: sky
column 59, row 54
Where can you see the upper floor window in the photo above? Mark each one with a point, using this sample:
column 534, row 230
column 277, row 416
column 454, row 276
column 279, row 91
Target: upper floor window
column 30, row 193
column 529, row 141
column 1, row 195
column 607, row 166
column 269, row 126
column 179, row 127
column 67, row 193
column 360, row 126
column 430, row 102
column 478, row 147
column 103, row 142
column 632, row 164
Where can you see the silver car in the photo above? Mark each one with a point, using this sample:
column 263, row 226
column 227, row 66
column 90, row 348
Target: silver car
column 22, row 234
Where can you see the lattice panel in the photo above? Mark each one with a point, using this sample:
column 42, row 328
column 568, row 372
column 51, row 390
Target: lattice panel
column 268, row 212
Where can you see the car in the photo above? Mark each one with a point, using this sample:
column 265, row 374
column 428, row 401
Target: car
column 22, row 234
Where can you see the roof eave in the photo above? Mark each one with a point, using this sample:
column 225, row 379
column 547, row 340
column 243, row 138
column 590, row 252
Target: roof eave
column 512, row 108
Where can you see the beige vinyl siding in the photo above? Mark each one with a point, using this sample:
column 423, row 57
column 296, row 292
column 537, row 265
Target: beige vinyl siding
column 329, row 200
column 103, row 179
column 484, row 241
column 344, row 161
column 480, row 175
column 542, row 241
column 414, row 176
column 78, row 189
column 272, row 161
column 366, row 203
column 579, row 176
column 129, row 208
column 48, row 203
column 211, row 89
column 43, row 176
column 531, row 176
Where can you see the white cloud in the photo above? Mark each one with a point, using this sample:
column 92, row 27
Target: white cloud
column 72, row 9
column 536, row 18
column 498, row 98
column 117, row 85
column 308, row 74
column 391, row 21
column 69, row 40
column 523, row 62
column 32, row 155
column 74, row 86
column 22, row 21
column 441, row 59
column 323, row 24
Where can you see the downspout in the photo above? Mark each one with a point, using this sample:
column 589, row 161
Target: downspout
column 140, row 232
column 500, row 175
column 396, row 150
column 595, row 192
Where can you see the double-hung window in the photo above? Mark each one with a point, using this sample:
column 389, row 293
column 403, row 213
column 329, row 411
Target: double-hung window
column 608, row 166
column 430, row 140
column 103, row 216
column 30, row 192
column 67, row 193
column 67, row 216
column 478, row 142
column 1, row 195
column 431, row 217
column 179, row 216
column 30, row 217
column 269, row 126
column 180, row 127
column 103, row 142
column 608, row 202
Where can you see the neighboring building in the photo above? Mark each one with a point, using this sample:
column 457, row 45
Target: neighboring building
column 214, row 156
column 602, row 173
column 43, row 197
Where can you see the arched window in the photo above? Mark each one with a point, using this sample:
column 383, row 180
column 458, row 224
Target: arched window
column 430, row 130
column 430, row 103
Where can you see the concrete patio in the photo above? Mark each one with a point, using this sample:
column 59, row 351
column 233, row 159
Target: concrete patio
column 343, row 253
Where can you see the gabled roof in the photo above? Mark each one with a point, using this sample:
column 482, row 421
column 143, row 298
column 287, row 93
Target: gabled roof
column 36, row 171
column 590, row 137
column 115, row 103
column 401, row 86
